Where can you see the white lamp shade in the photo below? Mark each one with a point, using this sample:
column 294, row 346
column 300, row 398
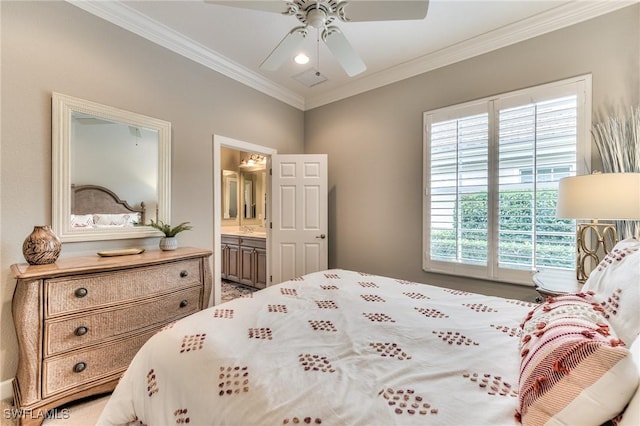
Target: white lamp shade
column 613, row 196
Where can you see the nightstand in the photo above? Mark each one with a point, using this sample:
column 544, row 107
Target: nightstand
column 555, row 282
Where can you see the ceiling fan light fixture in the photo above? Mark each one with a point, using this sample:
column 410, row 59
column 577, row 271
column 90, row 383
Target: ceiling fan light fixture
column 321, row 14
column 301, row 59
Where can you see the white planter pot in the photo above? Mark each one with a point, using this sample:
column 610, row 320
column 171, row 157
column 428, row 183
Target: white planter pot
column 168, row 243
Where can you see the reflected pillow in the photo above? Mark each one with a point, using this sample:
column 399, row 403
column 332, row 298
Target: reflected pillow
column 111, row 219
column 574, row 369
column 616, row 284
column 81, row 220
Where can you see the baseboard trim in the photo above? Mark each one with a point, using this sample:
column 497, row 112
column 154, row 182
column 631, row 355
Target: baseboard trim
column 6, row 389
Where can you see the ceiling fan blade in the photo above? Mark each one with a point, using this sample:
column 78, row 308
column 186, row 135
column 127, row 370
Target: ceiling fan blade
column 285, row 49
column 343, row 51
column 275, row 6
column 373, row 10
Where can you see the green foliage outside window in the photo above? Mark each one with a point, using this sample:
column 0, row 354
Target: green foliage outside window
column 554, row 238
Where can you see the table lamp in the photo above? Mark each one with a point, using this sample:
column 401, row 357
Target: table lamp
column 599, row 196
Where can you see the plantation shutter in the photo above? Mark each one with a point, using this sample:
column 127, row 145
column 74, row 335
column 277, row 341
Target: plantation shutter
column 459, row 188
column 536, row 148
column 491, row 173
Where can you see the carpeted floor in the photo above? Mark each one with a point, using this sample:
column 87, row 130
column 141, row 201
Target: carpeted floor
column 87, row 411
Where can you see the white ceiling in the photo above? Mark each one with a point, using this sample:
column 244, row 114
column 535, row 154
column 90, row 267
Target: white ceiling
column 235, row 41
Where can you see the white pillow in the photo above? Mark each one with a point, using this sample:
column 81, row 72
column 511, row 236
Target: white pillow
column 573, row 370
column 616, row 284
column 631, row 416
column 122, row 219
column 81, row 220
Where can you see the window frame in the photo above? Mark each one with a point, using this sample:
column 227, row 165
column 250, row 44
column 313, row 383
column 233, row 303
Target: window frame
column 581, row 86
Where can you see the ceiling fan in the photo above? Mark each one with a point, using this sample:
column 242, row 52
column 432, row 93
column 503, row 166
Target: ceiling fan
column 321, row 14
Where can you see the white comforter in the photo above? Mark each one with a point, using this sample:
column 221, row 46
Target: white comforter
column 334, row 348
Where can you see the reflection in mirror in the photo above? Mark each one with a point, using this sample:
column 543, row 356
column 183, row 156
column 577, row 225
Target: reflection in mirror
column 111, row 171
column 248, row 197
column 230, row 194
column 253, row 195
column 244, row 188
column 117, row 156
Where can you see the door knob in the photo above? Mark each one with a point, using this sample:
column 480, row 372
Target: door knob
column 322, row 236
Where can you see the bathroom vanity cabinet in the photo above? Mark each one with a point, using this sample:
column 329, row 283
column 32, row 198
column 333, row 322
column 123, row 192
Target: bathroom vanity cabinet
column 244, row 260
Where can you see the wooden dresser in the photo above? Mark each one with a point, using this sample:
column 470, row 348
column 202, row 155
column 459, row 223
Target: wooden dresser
column 81, row 320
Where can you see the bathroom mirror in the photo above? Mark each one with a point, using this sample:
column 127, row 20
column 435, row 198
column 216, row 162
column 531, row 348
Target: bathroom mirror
column 253, row 196
column 111, row 171
column 229, row 194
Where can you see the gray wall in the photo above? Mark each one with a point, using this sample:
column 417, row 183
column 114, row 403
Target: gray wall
column 374, row 140
column 54, row 46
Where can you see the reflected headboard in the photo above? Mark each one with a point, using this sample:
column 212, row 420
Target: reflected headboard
column 91, row 199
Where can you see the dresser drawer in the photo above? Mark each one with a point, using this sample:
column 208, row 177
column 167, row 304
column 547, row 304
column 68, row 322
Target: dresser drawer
column 82, row 330
column 91, row 365
column 73, row 294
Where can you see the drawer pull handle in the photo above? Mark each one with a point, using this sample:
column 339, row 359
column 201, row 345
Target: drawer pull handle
column 79, row 367
column 81, row 292
column 81, row 331
column 184, row 303
column 184, row 274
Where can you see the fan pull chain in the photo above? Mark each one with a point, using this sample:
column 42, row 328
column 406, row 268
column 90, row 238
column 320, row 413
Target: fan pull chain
column 318, row 52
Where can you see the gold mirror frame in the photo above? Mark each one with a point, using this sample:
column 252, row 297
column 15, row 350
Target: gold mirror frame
column 62, row 108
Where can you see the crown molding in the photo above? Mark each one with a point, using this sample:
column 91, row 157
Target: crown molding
column 552, row 20
column 131, row 20
column 563, row 16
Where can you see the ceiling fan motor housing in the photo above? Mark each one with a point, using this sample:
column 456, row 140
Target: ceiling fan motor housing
column 320, row 14
column 316, row 13
column 316, row 18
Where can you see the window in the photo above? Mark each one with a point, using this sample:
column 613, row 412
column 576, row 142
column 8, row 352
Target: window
column 491, row 172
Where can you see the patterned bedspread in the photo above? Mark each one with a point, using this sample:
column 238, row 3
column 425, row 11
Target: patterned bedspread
column 336, row 348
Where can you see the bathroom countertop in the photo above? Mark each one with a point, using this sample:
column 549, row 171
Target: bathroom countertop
column 237, row 230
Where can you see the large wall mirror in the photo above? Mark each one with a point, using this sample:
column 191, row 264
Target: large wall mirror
column 111, row 171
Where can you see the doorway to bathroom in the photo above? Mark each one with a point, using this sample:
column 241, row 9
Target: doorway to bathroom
column 280, row 224
column 241, row 207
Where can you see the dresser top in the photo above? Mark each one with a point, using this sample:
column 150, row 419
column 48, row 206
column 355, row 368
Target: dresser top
column 83, row 264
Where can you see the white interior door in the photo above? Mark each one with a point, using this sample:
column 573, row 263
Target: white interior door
column 299, row 243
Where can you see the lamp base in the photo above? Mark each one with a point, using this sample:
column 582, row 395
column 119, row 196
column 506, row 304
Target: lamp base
column 595, row 240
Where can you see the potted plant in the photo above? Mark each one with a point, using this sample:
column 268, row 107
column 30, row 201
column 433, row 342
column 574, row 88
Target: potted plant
column 169, row 241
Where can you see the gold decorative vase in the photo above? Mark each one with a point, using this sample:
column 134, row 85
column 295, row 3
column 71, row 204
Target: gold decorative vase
column 42, row 246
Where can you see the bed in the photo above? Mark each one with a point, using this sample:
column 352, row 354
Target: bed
column 341, row 347
column 94, row 206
